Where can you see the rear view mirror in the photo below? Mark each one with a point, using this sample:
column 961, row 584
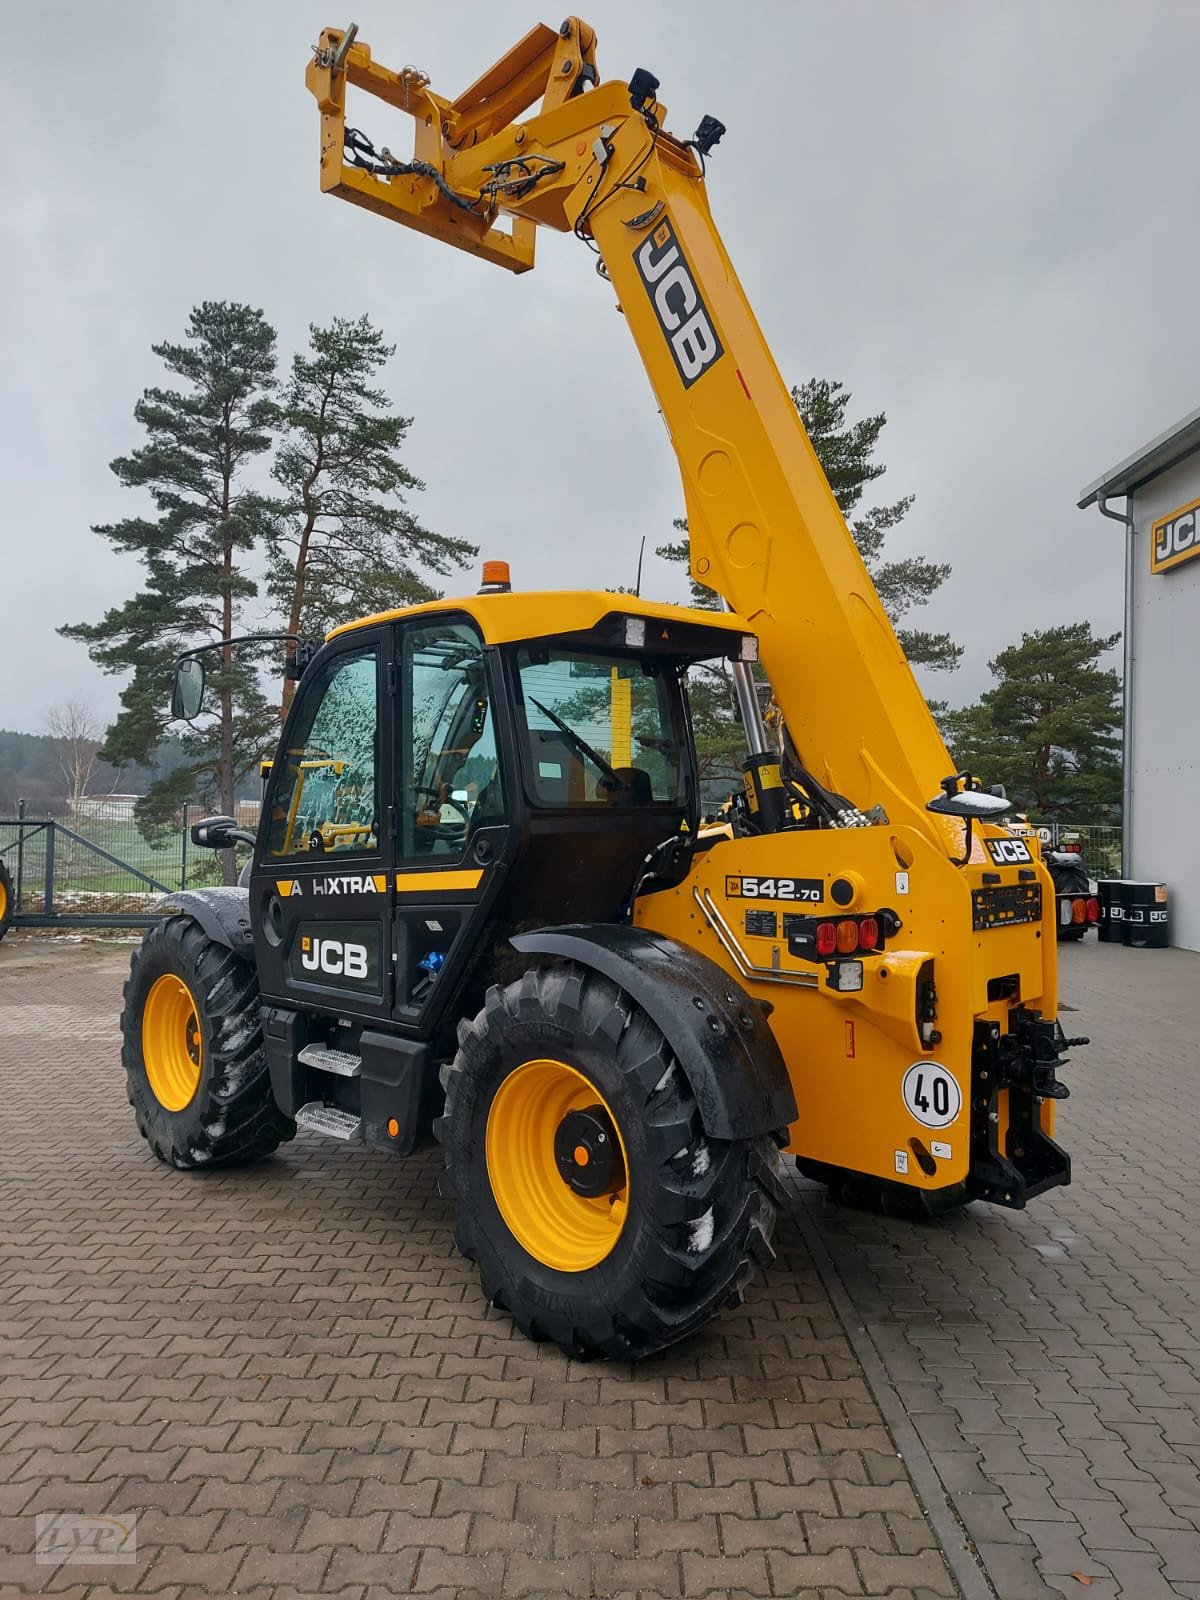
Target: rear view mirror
column 974, row 804
column 187, row 692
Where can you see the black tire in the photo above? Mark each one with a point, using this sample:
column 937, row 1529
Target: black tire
column 7, row 901
column 232, row 1116
column 701, row 1211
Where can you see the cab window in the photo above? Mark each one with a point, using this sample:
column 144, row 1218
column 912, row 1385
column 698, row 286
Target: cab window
column 601, row 730
column 325, row 785
column 450, row 784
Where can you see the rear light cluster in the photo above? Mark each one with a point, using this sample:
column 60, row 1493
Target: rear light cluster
column 1083, row 912
column 847, row 935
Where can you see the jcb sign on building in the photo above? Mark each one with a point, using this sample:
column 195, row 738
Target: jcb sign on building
column 1175, row 538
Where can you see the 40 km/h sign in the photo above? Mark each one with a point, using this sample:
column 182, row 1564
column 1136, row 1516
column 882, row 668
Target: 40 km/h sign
column 931, row 1094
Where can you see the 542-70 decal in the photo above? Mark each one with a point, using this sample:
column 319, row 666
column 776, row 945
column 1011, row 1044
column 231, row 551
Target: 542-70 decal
column 811, row 890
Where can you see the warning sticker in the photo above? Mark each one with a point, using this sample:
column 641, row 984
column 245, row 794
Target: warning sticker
column 901, row 1160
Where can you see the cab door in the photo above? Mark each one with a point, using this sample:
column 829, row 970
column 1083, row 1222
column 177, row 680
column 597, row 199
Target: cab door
column 453, row 827
column 321, row 891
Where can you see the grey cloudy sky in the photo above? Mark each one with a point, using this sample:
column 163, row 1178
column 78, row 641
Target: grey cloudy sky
column 981, row 216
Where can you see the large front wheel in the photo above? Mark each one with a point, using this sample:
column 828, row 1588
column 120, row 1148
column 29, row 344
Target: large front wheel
column 192, row 1047
column 601, row 1215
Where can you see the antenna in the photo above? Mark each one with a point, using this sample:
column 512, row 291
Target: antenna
column 637, row 588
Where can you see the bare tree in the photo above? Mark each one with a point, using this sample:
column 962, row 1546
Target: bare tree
column 76, row 732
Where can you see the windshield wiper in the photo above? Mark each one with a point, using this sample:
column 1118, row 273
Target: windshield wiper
column 584, row 748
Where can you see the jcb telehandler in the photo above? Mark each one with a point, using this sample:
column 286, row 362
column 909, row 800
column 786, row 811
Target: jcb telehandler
column 478, row 904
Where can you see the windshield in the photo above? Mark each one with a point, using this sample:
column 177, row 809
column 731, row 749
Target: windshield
column 601, row 730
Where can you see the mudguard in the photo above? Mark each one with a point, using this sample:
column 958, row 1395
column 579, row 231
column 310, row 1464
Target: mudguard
column 719, row 1035
column 224, row 914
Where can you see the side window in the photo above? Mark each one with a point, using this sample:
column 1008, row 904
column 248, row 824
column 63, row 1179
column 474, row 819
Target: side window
column 325, row 785
column 450, row 779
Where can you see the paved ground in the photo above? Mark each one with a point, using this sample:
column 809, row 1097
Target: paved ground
column 292, row 1380
column 289, row 1376
column 1050, row 1360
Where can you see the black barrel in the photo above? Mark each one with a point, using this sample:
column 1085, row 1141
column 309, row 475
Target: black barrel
column 1144, row 915
column 1108, row 891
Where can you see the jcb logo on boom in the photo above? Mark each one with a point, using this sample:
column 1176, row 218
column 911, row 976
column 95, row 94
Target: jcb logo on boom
column 1175, row 538
column 677, row 304
column 332, row 956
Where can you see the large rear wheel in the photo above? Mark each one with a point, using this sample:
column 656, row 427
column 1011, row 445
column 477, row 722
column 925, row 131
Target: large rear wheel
column 601, row 1215
column 192, row 1049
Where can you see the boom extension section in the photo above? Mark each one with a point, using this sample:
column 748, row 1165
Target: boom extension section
column 765, row 530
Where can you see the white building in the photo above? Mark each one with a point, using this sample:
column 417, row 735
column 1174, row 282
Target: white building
column 1159, row 486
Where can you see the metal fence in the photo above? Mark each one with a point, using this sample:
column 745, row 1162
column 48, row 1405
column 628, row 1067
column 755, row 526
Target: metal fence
column 97, row 870
column 1100, row 844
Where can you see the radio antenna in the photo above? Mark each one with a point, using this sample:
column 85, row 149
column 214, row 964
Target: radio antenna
column 637, row 588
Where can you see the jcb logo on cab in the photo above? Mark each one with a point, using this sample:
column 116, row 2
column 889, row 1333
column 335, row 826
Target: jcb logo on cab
column 332, row 956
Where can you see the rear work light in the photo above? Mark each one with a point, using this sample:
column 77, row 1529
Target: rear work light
column 1093, row 910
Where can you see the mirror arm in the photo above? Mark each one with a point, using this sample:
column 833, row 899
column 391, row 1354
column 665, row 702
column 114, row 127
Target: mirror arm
column 968, row 845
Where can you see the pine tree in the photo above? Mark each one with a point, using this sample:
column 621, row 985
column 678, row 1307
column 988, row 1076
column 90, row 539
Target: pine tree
column 1049, row 730
column 202, row 437
column 846, row 452
column 344, row 544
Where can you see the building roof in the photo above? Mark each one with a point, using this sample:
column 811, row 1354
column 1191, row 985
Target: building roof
column 1171, row 447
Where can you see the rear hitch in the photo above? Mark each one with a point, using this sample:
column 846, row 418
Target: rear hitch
column 1010, row 1166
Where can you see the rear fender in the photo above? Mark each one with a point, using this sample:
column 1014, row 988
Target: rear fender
column 718, row 1034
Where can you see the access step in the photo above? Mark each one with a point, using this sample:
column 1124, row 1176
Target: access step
column 335, row 1124
column 326, row 1059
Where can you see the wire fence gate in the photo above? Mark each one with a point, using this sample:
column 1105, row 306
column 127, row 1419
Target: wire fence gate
column 98, row 870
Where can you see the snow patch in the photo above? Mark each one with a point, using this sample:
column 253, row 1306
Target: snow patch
column 700, row 1232
column 664, row 1080
column 702, row 1162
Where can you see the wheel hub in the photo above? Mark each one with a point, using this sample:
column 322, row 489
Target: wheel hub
column 588, row 1154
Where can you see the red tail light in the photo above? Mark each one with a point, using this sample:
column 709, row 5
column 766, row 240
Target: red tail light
column 1093, row 910
column 847, row 936
column 826, row 938
column 1079, row 911
column 868, row 933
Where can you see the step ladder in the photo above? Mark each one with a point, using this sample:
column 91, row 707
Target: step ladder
column 315, row 1115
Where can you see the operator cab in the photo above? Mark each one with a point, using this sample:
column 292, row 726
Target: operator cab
column 459, row 772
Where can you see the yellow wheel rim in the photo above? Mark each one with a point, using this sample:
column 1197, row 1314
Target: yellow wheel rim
column 172, row 1046
column 556, row 1225
column 3, row 899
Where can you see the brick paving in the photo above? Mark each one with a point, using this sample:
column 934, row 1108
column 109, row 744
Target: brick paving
column 291, row 1379
column 289, row 1376
column 1050, row 1360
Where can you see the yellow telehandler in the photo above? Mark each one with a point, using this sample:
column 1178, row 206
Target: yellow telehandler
column 479, row 903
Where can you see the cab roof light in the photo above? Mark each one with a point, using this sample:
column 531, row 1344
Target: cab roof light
column 635, row 632
column 497, row 578
column 749, row 648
